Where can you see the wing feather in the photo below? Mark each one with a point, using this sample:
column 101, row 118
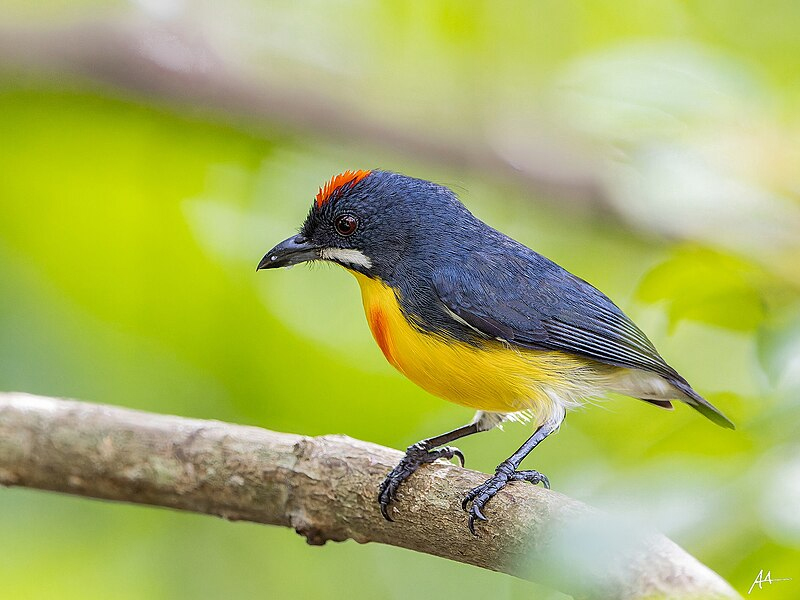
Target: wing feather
column 536, row 304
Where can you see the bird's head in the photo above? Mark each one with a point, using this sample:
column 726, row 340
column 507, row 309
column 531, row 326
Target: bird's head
column 371, row 222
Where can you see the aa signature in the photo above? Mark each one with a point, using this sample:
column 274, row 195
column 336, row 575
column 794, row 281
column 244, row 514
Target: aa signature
column 762, row 579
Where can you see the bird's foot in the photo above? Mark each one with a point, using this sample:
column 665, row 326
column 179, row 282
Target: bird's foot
column 480, row 495
column 416, row 456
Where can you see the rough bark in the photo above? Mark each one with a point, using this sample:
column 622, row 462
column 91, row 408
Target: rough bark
column 325, row 488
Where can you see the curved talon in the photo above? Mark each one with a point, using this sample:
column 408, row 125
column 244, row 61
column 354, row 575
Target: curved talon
column 382, row 490
column 470, row 496
column 471, row 525
column 475, row 513
column 448, row 453
column 533, row 476
column 480, row 495
column 416, row 456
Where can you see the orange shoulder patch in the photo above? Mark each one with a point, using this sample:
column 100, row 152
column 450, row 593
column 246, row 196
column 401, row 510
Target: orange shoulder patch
column 342, row 179
column 380, row 331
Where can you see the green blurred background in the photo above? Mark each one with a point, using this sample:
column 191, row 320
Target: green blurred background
column 152, row 151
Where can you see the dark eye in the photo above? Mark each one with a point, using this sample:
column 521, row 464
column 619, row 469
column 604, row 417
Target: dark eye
column 345, row 225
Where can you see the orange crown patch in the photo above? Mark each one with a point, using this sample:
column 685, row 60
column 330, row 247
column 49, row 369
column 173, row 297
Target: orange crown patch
column 347, row 178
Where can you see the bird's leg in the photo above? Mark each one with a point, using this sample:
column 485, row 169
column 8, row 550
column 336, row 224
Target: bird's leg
column 507, row 471
column 425, row 451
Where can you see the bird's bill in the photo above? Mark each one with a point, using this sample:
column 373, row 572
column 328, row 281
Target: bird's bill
column 293, row 251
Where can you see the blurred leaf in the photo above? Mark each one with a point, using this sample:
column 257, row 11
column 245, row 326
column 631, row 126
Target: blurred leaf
column 701, row 284
column 779, row 348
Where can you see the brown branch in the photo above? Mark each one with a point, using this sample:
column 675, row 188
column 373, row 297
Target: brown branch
column 325, row 488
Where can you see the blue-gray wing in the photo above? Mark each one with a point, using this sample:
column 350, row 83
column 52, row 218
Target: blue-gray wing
column 527, row 300
column 531, row 302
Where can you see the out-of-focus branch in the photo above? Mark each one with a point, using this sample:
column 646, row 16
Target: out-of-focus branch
column 168, row 63
column 325, row 488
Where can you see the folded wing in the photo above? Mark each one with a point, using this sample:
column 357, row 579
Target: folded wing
column 531, row 302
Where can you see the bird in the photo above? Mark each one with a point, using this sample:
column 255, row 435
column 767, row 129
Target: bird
column 477, row 318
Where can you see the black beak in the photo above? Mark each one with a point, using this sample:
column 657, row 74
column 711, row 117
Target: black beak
column 289, row 252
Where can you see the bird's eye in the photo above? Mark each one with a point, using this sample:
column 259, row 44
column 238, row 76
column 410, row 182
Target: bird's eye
column 345, row 225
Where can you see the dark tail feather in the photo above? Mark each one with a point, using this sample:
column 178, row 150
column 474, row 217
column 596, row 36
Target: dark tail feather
column 701, row 405
column 666, row 404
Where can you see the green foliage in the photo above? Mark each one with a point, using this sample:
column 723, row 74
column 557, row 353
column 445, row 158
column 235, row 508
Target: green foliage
column 707, row 286
column 129, row 237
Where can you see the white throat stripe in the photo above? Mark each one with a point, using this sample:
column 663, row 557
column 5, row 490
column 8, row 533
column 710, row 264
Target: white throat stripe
column 348, row 256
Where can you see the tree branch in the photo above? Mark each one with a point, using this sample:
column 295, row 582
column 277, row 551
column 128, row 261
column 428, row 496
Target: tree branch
column 173, row 63
column 325, row 488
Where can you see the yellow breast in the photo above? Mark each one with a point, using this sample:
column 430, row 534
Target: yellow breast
column 493, row 377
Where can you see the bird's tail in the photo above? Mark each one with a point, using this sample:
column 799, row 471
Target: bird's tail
column 700, row 404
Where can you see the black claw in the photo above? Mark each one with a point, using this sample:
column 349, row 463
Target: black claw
column 385, row 512
column 470, row 495
column 533, row 476
column 480, row 495
column 476, row 510
column 475, row 513
column 416, row 456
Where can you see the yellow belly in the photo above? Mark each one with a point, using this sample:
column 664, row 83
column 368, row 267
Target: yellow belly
column 493, row 377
